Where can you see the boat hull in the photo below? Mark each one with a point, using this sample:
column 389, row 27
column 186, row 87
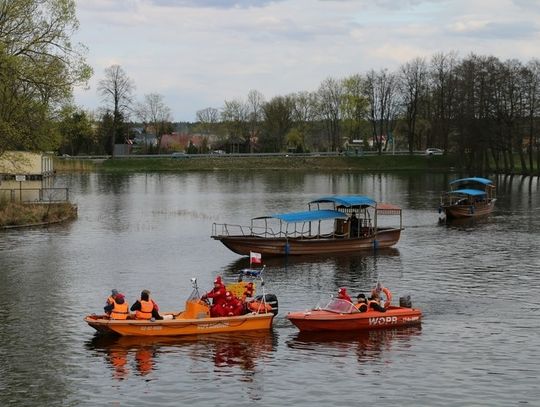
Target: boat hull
column 320, row 320
column 180, row 327
column 243, row 245
column 469, row 211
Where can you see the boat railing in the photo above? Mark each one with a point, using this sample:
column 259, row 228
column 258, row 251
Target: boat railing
column 227, row 229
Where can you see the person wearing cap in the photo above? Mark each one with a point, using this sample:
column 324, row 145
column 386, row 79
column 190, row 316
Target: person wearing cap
column 218, row 297
column 118, row 308
column 232, row 306
column 343, row 295
column 110, row 301
column 146, row 308
column 361, row 302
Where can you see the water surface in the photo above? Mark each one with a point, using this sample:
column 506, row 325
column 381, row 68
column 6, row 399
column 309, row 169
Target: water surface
column 476, row 282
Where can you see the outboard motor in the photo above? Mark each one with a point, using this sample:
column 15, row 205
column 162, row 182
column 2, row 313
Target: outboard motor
column 405, row 301
column 271, row 300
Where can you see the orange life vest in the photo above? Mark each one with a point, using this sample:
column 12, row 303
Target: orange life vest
column 120, row 311
column 146, row 310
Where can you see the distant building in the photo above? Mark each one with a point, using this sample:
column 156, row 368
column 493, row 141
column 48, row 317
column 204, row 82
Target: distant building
column 24, row 171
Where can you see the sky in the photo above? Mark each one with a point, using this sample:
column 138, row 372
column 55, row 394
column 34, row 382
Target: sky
column 201, row 53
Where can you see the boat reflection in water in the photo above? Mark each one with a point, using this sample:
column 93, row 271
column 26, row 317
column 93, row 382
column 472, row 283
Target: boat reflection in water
column 369, row 345
column 353, row 262
column 141, row 356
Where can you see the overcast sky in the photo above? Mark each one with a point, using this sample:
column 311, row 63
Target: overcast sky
column 199, row 53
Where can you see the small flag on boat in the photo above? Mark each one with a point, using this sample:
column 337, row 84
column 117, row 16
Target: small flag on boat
column 255, row 258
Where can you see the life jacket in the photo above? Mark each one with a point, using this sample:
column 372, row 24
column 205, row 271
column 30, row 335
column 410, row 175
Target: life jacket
column 120, row 311
column 362, row 307
column 146, row 310
column 370, row 302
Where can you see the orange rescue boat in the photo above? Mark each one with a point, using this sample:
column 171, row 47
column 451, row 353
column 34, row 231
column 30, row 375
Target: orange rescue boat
column 194, row 320
column 342, row 315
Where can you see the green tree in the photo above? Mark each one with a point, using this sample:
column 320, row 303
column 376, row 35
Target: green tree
column 75, row 128
column 39, row 66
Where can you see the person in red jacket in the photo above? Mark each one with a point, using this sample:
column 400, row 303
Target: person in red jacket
column 232, row 306
column 218, row 297
column 343, row 295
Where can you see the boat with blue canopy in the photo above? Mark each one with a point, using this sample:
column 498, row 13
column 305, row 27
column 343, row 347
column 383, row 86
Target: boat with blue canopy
column 468, row 197
column 332, row 224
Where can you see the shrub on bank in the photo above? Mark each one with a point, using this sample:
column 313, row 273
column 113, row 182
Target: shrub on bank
column 17, row 214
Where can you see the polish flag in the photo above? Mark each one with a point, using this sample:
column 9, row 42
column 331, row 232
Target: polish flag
column 255, row 258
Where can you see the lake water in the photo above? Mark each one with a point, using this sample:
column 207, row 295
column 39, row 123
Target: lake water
column 478, row 284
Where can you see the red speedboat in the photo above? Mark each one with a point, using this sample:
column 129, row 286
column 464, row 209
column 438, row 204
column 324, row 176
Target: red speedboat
column 341, row 315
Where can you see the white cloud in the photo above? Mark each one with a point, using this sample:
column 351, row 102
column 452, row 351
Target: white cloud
column 199, row 53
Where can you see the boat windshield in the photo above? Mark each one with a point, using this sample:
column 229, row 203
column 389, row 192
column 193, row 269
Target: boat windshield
column 340, row 306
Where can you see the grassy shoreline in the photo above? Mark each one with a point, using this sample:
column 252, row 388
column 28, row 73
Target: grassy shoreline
column 366, row 163
column 14, row 214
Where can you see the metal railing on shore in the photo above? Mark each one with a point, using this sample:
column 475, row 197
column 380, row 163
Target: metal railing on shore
column 35, row 195
column 246, row 155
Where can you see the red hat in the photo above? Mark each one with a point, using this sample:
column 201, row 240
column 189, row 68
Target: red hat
column 342, row 290
column 119, row 296
column 217, row 280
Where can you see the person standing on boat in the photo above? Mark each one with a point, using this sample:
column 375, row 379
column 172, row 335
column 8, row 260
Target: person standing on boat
column 353, row 225
column 343, row 295
column 218, row 297
column 146, row 308
column 118, row 309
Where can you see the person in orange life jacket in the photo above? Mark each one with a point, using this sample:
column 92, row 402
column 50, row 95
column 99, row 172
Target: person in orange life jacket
column 218, row 297
column 145, row 308
column 361, row 303
column 374, row 302
column 110, row 301
column 232, row 306
column 118, row 309
column 343, row 295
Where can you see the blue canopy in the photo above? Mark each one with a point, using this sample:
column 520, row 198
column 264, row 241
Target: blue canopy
column 307, row 216
column 471, row 192
column 346, row 200
column 484, row 181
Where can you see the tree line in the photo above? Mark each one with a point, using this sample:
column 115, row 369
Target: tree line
column 480, row 108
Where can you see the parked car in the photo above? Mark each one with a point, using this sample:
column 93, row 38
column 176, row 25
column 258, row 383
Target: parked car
column 179, row 155
column 434, row 151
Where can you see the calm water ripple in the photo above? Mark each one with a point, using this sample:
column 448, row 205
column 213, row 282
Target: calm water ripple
column 477, row 283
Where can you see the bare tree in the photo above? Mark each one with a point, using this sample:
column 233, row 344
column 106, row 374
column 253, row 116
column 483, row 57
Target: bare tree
column 304, row 114
column 254, row 105
column 413, row 85
column 355, row 105
column 330, row 97
column 381, row 92
column 235, row 118
column 116, row 90
column 443, row 91
column 154, row 112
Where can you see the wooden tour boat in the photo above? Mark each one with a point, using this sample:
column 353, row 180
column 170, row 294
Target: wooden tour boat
column 194, row 320
column 468, row 197
column 342, row 315
column 328, row 227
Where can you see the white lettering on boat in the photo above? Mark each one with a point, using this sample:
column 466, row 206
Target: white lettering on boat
column 410, row 319
column 213, row 326
column 151, row 328
column 383, row 321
